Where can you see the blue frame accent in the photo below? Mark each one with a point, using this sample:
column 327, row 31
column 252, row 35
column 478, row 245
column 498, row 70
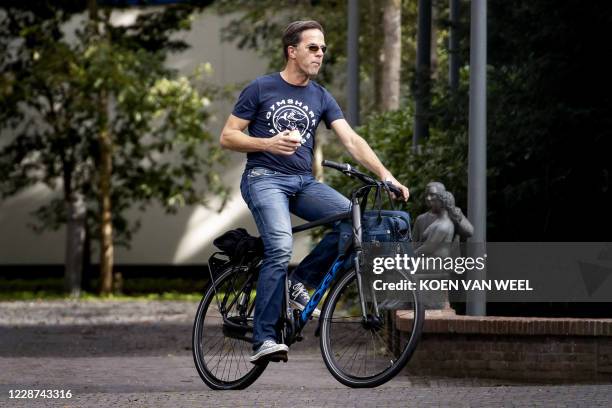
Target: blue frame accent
column 320, row 291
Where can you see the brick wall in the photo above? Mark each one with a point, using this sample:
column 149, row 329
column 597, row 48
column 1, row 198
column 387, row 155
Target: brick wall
column 526, row 349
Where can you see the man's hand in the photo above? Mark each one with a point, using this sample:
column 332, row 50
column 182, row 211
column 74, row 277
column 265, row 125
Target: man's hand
column 405, row 192
column 284, row 143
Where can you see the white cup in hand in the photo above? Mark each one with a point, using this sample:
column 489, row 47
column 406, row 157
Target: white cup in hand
column 295, row 136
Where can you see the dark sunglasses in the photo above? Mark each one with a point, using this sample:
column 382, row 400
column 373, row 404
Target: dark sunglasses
column 315, row 48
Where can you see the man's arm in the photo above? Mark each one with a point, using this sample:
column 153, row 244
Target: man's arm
column 363, row 153
column 234, row 138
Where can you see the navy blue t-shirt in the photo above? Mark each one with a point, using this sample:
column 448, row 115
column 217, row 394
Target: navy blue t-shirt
column 273, row 105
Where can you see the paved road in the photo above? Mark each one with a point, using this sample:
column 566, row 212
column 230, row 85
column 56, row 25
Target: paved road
column 107, row 355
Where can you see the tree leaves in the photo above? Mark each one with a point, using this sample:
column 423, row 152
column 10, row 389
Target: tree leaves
column 162, row 148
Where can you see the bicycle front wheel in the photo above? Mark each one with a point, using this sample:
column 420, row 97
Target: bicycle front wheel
column 368, row 353
column 223, row 324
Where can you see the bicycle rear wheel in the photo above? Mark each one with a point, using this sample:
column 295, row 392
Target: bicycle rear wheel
column 223, row 324
column 367, row 354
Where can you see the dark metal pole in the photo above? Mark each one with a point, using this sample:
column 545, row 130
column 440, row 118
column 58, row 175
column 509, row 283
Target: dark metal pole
column 423, row 72
column 353, row 63
column 453, row 46
column 477, row 156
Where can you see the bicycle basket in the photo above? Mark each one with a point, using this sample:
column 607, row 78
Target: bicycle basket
column 238, row 245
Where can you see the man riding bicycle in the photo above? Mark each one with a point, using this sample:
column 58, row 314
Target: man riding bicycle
column 282, row 111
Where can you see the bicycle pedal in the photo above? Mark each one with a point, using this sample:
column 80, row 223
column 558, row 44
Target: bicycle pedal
column 277, row 358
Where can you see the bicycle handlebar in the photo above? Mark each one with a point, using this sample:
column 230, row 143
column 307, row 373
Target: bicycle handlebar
column 350, row 171
column 393, row 189
column 332, row 164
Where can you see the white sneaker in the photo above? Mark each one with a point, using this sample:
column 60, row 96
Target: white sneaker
column 270, row 351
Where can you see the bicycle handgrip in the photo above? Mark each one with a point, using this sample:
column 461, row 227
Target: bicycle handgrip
column 394, row 189
column 337, row 166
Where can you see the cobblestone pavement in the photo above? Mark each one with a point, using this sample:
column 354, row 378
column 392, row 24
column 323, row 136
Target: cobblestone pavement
column 137, row 354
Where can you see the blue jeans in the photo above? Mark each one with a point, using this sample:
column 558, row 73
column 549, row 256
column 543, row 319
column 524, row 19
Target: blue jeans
column 271, row 196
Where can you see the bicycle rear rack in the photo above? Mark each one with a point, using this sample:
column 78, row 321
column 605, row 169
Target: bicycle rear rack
column 216, row 262
column 233, row 326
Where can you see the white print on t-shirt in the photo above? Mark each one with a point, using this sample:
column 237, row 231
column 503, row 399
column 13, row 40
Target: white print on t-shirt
column 290, row 114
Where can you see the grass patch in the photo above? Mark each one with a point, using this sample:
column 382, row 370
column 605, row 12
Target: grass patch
column 87, row 296
column 133, row 289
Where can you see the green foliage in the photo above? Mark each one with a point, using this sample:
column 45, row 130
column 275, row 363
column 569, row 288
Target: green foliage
column 548, row 124
column 549, row 120
column 259, row 26
column 50, row 92
column 442, row 157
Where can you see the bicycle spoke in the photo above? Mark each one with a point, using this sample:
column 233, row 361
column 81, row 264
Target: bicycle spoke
column 231, row 356
column 352, row 360
column 384, row 343
column 222, row 356
column 362, row 350
column 349, row 339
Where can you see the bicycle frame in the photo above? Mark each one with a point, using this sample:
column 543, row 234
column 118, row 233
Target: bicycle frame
column 355, row 216
column 328, row 279
column 319, row 292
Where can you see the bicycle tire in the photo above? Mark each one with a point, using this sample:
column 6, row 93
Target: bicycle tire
column 331, row 349
column 200, row 332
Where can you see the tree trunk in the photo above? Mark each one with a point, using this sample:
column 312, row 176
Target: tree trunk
column 423, row 73
column 87, row 270
column 392, row 51
column 75, row 209
column 75, row 240
column 352, row 66
column 106, row 225
column 105, row 171
column 376, row 53
column 434, row 42
column 453, row 46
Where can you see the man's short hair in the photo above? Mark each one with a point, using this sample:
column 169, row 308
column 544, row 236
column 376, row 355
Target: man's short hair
column 293, row 33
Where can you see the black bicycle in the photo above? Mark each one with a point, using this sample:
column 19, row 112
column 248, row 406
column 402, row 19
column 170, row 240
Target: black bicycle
column 360, row 343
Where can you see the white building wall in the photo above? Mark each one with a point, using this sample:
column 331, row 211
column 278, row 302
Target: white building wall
column 182, row 238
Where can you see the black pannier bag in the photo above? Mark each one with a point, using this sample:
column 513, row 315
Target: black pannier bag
column 238, row 245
